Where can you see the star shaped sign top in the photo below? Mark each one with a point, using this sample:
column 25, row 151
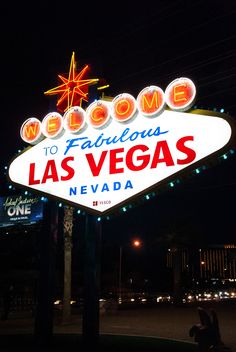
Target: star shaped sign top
column 74, row 89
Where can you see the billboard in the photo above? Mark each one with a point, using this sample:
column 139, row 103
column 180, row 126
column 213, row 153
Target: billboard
column 20, row 209
column 118, row 150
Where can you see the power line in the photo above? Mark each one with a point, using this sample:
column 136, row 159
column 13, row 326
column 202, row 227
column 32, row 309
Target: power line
column 173, row 59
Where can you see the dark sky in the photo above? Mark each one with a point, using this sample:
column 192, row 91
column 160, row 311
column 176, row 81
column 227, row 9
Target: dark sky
column 130, row 45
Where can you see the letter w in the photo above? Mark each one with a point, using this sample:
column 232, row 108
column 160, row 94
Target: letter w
column 32, row 130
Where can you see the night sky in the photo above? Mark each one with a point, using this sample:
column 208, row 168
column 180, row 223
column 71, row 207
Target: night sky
column 130, row 46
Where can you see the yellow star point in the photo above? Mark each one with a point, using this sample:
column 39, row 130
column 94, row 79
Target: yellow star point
column 74, row 89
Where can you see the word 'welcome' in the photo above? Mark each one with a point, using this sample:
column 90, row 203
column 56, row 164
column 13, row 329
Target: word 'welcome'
column 179, row 96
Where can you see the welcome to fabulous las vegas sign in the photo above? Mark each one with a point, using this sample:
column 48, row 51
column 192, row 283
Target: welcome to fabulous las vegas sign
column 116, row 150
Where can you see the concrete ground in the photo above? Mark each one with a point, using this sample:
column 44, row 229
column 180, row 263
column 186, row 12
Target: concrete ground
column 165, row 321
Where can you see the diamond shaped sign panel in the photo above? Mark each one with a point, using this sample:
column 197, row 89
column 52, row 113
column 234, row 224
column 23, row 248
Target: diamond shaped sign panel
column 102, row 168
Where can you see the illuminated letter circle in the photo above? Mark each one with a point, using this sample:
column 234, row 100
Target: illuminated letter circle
column 124, row 107
column 151, row 101
column 30, row 131
column 52, row 125
column 74, row 119
column 98, row 113
column 180, row 94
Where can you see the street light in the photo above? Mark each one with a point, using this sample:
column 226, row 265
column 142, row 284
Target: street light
column 136, row 244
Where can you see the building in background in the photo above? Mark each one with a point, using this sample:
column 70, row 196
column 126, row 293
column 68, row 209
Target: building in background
column 215, row 262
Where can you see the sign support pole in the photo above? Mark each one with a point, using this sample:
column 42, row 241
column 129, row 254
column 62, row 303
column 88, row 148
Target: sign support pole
column 91, row 281
column 43, row 330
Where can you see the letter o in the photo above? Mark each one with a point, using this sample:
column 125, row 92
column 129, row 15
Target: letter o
column 11, row 211
column 124, row 107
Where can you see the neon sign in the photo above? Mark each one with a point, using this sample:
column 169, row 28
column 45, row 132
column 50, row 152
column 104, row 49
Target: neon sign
column 74, row 89
column 100, row 157
column 180, row 95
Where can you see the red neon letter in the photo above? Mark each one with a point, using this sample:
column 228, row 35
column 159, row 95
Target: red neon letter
column 123, row 107
column 74, row 119
column 114, row 160
column 150, row 101
column 52, row 125
column 70, row 171
column 162, row 147
column 50, row 172
column 190, row 153
column 31, row 130
column 32, row 180
column 98, row 114
column 93, row 167
column 143, row 158
column 180, row 94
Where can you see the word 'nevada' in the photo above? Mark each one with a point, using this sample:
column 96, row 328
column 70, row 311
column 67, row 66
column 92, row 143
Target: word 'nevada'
column 179, row 96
